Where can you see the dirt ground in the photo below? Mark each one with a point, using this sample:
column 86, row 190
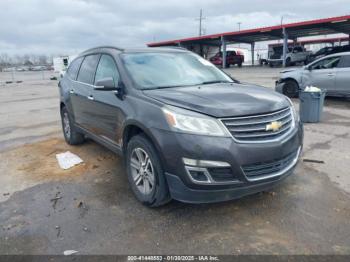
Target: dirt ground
column 90, row 208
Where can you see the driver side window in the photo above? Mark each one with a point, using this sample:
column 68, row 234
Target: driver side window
column 107, row 68
column 326, row 63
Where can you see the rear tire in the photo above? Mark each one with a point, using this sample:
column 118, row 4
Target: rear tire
column 145, row 172
column 291, row 88
column 71, row 135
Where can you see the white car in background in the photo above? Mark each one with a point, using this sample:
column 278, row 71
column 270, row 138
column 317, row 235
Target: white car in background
column 331, row 73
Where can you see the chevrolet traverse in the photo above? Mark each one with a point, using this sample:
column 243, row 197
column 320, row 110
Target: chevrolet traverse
column 186, row 129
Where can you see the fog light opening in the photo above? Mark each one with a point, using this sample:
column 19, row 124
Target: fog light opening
column 198, row 175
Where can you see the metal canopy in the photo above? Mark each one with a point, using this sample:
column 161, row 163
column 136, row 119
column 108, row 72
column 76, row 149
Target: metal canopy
column 333, row 25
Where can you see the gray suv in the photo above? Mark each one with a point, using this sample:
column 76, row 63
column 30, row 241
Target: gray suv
column 187, row 130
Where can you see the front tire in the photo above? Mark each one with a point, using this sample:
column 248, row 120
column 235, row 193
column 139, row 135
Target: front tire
column 288, row 62
column 71, row 135
column 291, row 88
column 145, row 173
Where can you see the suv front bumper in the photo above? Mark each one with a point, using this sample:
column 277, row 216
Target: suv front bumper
column 175, row 146
column 180, row 192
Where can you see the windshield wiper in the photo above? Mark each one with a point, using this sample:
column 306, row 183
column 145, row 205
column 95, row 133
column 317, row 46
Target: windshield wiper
column 214, row 82
column 163, row 87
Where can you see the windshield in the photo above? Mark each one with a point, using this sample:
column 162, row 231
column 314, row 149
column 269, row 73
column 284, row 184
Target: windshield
column 165, row 70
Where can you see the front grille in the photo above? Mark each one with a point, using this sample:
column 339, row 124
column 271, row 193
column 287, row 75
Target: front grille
column 252, row 129
column 260, row 170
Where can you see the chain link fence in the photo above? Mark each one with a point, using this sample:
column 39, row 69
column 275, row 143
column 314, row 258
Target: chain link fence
column 13, row 76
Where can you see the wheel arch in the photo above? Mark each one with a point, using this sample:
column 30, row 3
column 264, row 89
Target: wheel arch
column 133, row 128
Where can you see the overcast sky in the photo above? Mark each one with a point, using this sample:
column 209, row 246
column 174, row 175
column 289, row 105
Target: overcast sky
column 70, row 26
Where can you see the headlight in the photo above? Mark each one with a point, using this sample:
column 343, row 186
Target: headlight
column 190, row 122
column 294, row 112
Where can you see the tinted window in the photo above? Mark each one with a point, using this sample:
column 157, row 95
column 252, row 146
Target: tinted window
column 345, row 61
column 326, row 63
column 74, row 68
column 87, row 69
column 107, row 68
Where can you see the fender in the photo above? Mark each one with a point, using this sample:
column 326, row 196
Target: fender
column 146, row 130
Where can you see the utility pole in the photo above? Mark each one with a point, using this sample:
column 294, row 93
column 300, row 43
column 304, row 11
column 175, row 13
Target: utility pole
column 239, row 29
column 201, row 18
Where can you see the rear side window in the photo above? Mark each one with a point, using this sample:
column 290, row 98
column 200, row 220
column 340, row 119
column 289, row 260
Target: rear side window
column 74, row 68
column 344, row 61
column 87, row 69
column 107, row 68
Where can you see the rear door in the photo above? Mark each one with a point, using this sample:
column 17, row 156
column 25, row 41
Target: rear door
column 71, row 77
column 106, row 105
column 82, row 98
column 322, row 74
column 342, row 80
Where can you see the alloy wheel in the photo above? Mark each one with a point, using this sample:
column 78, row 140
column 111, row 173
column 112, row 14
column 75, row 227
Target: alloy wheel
column 66, row 125
column 142, row 171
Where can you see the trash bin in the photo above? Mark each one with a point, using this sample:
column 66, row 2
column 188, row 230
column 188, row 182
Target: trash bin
column 311, row 105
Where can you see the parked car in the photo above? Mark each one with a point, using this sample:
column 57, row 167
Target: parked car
column 320, row 53
column 328, row 51
column 232, row 58
column 187, row 130
column 296, row 54
column 331, row 73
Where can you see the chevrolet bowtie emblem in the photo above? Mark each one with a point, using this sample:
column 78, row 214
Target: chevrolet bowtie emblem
column 274, row 126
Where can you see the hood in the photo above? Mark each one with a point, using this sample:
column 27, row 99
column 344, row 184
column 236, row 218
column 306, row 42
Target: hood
column 221, row 100
column 294, row 73
column 291, row 70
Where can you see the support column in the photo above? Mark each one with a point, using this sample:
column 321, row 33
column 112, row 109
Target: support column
column 223, row 44
column 285, row 46
column 252, row 50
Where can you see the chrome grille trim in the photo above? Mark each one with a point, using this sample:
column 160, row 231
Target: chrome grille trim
column 252, row 129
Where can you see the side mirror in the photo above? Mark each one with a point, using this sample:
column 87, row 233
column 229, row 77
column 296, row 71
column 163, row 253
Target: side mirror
column 106, row 84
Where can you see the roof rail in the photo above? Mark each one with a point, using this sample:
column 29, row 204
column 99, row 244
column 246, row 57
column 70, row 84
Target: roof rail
column 98, row 47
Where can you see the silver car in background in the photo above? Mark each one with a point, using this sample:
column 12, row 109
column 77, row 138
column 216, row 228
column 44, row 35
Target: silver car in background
column 331, row 73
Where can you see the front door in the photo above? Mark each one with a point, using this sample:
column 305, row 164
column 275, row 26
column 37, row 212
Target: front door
column 322, row 73
column 106, row 104
column 342, row 80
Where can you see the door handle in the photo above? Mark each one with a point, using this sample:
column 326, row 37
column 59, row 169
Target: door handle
column 90, row 97
column 71, row 91
column 330, row 74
